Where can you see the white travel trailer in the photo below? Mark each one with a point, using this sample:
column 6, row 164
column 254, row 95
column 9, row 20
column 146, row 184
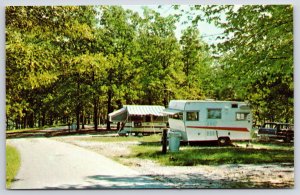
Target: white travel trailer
column 139, row 119
column 207, row 120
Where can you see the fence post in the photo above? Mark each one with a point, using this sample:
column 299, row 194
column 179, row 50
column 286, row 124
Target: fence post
column 164, row 141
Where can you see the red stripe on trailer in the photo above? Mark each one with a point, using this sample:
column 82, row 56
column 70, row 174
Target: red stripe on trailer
column 220, row 128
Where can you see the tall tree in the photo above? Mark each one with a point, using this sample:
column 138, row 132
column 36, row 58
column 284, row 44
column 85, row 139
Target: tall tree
column 257, row 55
column 118, row 35
column 30, row 58
column 161, row 67
column 41, row 42
column 196, row 64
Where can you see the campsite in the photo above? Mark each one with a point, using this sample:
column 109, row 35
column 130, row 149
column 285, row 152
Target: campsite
column 264, row 165
column 259, row 164
column 151, row 97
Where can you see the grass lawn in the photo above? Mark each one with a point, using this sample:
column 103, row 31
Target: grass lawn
column 269, row 145
column 23, row 130
column 190, row 156
column 31, row 129
column 150, row 148
column 12, row 164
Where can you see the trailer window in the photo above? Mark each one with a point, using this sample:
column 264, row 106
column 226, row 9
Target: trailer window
column 214, row 113
column 234, row 105
column 192, row 116
column 241, row 116
column 178, row 116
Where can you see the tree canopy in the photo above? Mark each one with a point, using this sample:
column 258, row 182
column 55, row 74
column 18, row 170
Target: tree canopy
column 67, row 64
column 257, row 54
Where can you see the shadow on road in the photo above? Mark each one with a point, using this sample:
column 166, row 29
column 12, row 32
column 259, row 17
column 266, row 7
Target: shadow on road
column 117, row 182
column 190, row 181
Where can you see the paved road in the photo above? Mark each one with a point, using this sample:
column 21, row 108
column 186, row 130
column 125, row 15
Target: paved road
column 49, row 164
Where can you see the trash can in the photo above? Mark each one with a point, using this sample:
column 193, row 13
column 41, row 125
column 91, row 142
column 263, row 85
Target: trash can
column 174, row 141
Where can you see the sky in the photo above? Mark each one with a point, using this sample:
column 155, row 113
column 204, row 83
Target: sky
column 208, row 31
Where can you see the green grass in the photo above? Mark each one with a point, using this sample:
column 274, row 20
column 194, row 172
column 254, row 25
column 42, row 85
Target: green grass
column 32, row 129
column 190, row 156
column 150, row 148
column 151, row 138
column 12, row 164
column 269, row 145
column 23, row 130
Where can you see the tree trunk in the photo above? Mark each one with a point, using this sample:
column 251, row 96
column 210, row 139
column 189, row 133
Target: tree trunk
column 39, row 120
column 25, row 120
column 78, row 117
column 109, row 99
column 16, row 124
column 149, row 97
column 109, row 109
column 43, row 119
column 82, row 125
column 165, row 101
column 78, row 104
column 51, row 119
column 89, row 119
column 95, row 114
column 95, row 102
column 31, row 120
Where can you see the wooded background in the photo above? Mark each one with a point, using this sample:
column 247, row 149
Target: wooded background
column 68, row 64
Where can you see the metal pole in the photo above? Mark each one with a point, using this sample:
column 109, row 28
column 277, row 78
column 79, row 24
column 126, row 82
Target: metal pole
column 164, row 141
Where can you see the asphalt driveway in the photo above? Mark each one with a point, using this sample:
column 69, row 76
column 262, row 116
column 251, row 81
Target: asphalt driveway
column 49, row 164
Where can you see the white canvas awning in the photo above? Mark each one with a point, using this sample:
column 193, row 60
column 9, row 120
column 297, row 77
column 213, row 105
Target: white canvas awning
column 144, row 110
column 169, row 111
column 139, row 110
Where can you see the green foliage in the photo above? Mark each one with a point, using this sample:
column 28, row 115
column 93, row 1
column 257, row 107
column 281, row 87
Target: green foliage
column 74, row 63
column 41, row 43
column 257, row 55
column 12, row 164
column 196, row 64
column 160, row 64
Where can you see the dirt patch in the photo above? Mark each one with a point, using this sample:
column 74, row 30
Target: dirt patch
column 201, row 176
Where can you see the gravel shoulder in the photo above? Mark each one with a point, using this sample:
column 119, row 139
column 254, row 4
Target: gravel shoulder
column 201, row 176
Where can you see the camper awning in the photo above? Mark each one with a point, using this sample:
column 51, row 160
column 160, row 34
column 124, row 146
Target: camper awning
column 118, row 115
column 144, row 110
column 140, row 110
column 169, row 111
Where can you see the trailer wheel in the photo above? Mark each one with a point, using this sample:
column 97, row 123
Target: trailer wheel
column 223, row 141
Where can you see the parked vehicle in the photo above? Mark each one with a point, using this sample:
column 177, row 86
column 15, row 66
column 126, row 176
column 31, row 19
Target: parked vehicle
column 139, row 119
column 275, row 130
column 203, row 121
